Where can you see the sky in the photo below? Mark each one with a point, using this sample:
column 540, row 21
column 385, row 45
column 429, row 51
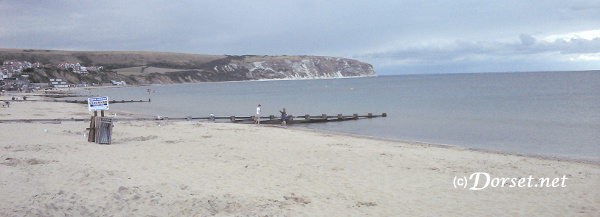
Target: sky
column 395, row 36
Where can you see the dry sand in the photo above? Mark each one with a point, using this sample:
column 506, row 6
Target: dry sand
column 157, row 168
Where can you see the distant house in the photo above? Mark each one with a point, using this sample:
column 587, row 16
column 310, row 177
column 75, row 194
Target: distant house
column 9, row 62
column 76, row 67
column 7, row 72
column 58, row 83
column 5, row 75
column 94, row 68
column 15, row 67
column 118, row 83
column 15, row 83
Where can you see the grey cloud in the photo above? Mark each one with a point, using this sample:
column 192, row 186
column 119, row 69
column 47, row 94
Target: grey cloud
column 432, row 31
column 527, row 45
column 527, row 39
column 577, row 46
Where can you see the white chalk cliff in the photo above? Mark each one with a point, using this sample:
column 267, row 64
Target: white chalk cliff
column 295, row 67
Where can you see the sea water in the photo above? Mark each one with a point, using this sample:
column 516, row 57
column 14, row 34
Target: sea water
column 545, row 113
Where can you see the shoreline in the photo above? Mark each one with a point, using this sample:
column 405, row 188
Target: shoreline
column 442, row 145
column 450, row 146
column 203, row 168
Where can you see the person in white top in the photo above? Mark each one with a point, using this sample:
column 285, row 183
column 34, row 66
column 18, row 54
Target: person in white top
column 257, row 117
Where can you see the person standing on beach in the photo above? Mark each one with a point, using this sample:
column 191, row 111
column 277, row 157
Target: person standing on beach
column 257, row 118
column 283, row 117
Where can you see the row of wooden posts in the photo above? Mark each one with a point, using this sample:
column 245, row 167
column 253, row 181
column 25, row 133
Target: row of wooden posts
column 110, row 101
column 276, row 119
column 85, row 101
column 264, row 119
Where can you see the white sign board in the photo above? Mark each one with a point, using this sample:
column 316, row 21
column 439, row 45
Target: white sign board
column 98, row 103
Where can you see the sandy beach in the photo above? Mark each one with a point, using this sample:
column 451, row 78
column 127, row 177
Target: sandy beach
column 160, row 168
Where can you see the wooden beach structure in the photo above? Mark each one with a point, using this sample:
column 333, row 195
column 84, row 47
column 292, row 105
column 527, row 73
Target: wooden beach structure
column 100, row 130
column 271, row 119
column 79, row 101
column 306, row 119
column 111, row 101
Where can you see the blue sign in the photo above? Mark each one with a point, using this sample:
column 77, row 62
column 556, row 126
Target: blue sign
column 98, row 103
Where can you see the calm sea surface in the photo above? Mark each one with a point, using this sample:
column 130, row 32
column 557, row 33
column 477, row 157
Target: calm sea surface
column 549, row 113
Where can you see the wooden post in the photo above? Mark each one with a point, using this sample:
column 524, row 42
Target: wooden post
column 102, row 113
column 97, row 123
column 110, row 132
column 307, row 117
column 92, row 130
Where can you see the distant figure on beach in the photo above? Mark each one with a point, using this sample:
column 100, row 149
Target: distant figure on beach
column 257, row 117
column 24, row 98
column 283, row 117
column 7, row 104
column 13, row 98
column 212, row 117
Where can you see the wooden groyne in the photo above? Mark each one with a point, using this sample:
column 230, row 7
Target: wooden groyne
column 51, row 121
column 64, row 95
column 77, row 101
column 314, row 119
column 271, row 119
column 110, row 101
